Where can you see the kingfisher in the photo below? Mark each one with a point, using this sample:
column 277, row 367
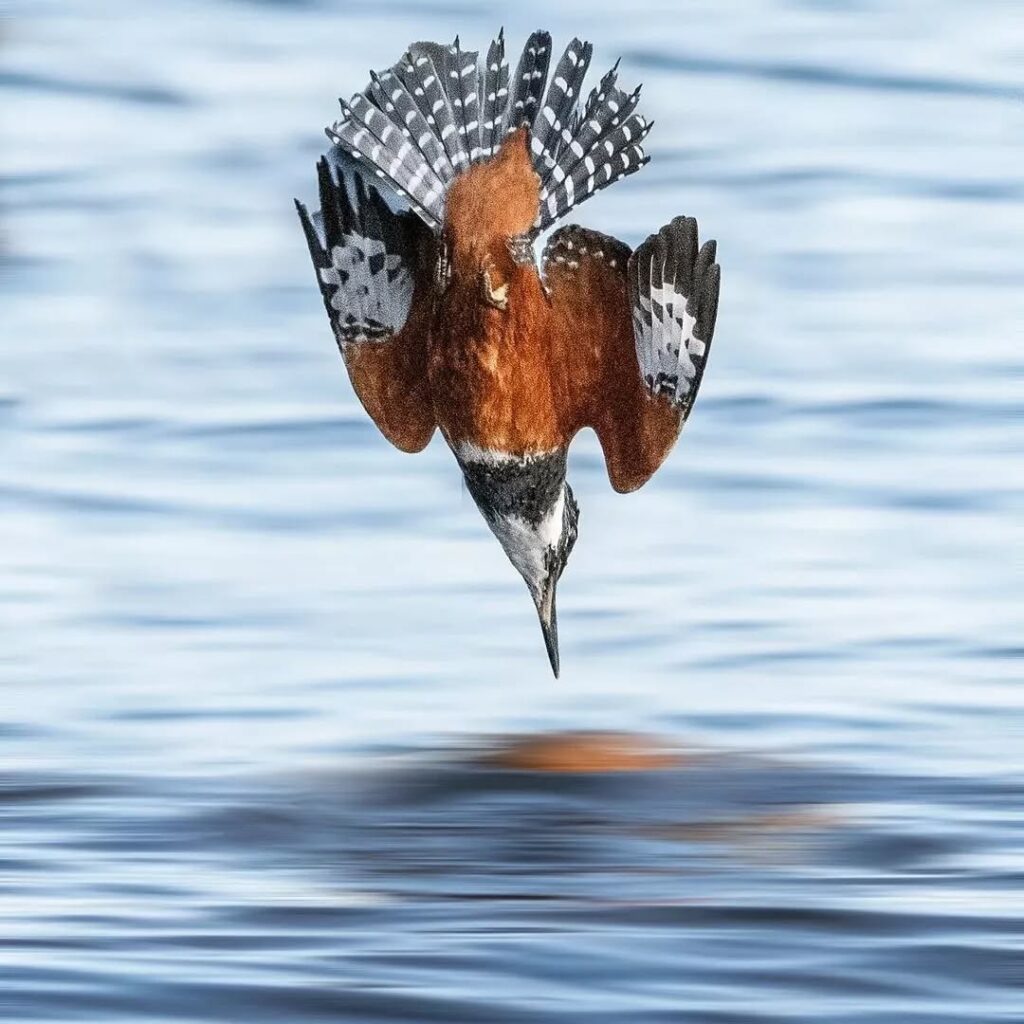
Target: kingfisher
column 442, row 175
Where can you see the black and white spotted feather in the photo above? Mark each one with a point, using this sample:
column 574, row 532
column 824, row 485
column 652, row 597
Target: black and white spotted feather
column 673, row 289
column 391, row 94
column 370, row 135
column 604, row 143
column 365, row 257
column 426, row 66
column 422, row 122
column 493, row 98
column 573, row 245
column 464, row 90
column 528, row 81
column 552, row 129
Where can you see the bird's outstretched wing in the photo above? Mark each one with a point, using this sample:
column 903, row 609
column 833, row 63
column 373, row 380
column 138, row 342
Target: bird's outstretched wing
column 374, row 269
column 632, row 333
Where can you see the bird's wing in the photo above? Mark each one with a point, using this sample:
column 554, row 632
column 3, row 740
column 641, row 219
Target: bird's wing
column 374, row 269
column 632, row 337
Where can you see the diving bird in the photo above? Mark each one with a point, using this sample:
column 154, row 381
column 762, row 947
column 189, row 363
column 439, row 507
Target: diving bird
column 444, row 317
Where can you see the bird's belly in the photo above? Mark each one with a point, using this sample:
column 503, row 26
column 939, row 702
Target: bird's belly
column 493, row 394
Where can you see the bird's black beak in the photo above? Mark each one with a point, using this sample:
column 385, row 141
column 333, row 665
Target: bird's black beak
column 545, row 601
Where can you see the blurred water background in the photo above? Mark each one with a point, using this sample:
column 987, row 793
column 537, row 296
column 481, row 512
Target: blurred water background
column 255, row 662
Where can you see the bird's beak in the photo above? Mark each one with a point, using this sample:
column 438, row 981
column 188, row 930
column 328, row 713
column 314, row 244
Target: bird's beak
column 545, row 601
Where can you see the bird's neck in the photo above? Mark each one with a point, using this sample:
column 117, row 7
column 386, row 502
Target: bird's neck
column 510, row 483
column 522, row 497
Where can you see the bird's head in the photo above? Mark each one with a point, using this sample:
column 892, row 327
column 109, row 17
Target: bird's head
column 492, row 203
column 531, row 510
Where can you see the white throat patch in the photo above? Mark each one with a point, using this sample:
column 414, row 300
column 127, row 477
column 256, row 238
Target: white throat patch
column 527, row 544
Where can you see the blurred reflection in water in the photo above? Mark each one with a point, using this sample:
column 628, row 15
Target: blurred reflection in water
column 561, row 875
column 243, row 642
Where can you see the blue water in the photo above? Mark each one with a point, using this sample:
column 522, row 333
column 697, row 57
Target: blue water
column 255, row 662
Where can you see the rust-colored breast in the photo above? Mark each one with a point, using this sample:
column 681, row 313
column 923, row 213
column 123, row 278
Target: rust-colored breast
column 490, row 369
column 527, row 372
column 490, row 349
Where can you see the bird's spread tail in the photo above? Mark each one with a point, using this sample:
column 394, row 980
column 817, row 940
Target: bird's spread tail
column 438, row 110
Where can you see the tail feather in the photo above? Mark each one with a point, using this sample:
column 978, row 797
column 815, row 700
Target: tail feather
column 428, row 118
column 464, row 90
column 607, row 107
column 606, row 145
column 428, row 70
column 422, row 182
column 417, row 115
column 392, row 96
column 600, row 92
column 588, row 178
column 369, row 135
column 551, row 129
column 494, row 97
column 528, row 82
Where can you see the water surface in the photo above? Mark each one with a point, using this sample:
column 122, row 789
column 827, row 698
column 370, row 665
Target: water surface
column 254, row 660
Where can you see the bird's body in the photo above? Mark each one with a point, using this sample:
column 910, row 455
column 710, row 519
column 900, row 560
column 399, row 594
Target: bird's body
column 446, row 321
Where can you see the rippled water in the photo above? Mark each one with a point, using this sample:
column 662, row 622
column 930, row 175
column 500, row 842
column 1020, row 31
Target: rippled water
column 255, row 663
